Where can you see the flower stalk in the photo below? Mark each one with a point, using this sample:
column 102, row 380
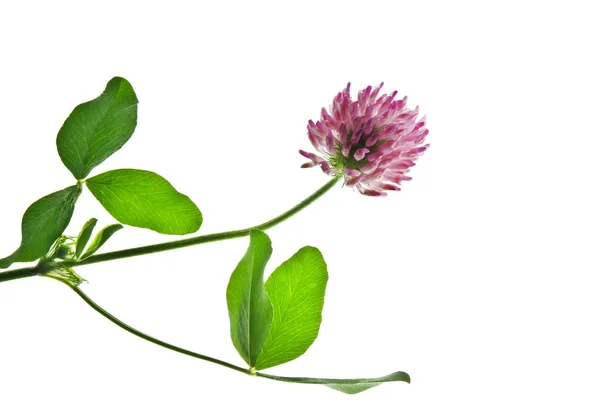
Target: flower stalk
column 202, row 239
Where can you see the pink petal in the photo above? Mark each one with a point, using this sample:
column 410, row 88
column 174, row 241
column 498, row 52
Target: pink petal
column 355, row 180
column 314, row 158
column 372, row 140
column 360, row 153
column 330, row 141
column 325, row 167
column 374, row 157
column 346, row 149
column 388, row 187
column 370, row 192
column 351, row 172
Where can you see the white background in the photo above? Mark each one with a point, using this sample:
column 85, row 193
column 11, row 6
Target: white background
column 479, row 278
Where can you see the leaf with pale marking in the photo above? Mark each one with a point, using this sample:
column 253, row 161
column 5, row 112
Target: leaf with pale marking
column 145, row 199
column 250, row 311
column 281, row 318
column 297, row 291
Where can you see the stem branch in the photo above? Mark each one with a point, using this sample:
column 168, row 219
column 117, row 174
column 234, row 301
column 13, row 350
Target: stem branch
column 165, row 246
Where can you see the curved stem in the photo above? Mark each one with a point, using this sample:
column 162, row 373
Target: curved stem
column 18, row 273
column 365, row 383
column 165, row 246
column 146, row 337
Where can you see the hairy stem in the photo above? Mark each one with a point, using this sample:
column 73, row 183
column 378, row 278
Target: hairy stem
column 165, row 246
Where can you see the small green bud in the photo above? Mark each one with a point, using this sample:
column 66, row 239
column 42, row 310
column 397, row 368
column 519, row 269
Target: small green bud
column 65, row 251
column 63, row 248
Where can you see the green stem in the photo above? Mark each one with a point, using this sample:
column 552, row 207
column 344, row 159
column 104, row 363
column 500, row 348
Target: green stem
column 18, row 273
column 165, row 246
column 397, row 376
column 146, row 337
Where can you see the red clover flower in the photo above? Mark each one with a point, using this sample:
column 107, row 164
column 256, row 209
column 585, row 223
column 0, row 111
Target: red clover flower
column 373, row 141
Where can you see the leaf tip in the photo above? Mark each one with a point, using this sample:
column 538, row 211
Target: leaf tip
column 258, row 235
column 7, row 261
column 122, row 85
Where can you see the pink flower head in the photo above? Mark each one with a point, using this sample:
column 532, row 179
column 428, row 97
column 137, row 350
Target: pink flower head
column 372, row 141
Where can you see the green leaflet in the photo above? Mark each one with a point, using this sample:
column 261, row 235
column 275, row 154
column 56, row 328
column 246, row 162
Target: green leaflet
column 250, row 311
column 84, row 236
column 43, row 222
column 98, row 128
column 355, row 386
column 100, row 238
column 275, row 322
column 297, row 292
column 348, row 386
column 144, row 199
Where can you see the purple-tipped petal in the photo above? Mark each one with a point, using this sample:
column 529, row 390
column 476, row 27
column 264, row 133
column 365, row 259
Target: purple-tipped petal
column 314, row 158
column 386, row 147
column 360, row 154
column 346, row 149
column 349, row 172
column 369, row 168
column 372, row 140
column 356, row 136
column 347, row 90
column 327, row 119
column 330, row 141
column 353, row 181
column 370, row 192
column 374, row 157
column 388, row 187
column 376, row 92
column 325, row 167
